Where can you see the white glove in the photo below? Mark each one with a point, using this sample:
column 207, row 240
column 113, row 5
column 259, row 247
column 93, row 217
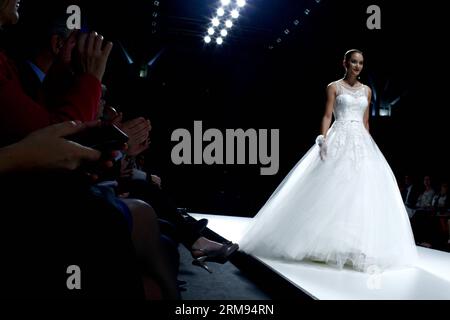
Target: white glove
column 321, row 142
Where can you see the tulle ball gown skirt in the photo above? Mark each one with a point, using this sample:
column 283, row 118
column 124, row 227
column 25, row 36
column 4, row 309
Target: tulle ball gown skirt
column 345, row 210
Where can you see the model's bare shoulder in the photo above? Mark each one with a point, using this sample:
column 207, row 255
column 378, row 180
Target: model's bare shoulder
column 332, row 84
column 368, row 90
column 331, row 87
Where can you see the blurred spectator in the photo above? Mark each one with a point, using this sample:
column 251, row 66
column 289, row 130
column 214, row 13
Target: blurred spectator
column 424, row 201
column 409, row 194
column 441, row 200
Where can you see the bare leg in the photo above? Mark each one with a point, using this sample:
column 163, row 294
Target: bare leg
column 145, row 236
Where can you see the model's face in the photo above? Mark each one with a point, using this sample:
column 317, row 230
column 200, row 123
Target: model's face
column 427, row 181
column 9, row 14
column 355, row 64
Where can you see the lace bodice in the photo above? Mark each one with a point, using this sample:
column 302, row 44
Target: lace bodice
column 351, row 102
column 348, row 137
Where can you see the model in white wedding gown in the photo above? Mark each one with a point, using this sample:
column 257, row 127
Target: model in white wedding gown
column 346, row 209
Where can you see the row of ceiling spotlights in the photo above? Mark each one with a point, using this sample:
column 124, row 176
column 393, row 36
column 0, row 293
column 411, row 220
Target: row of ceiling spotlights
column 296, row 23
column 216, row 22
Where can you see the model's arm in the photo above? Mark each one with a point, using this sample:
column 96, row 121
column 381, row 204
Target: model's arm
column 327, row 117
column 367, row 113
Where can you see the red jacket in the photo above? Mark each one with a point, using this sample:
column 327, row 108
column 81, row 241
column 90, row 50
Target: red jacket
column 20, row 115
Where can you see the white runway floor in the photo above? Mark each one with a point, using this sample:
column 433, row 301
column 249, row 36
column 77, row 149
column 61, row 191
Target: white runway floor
column 429, row 280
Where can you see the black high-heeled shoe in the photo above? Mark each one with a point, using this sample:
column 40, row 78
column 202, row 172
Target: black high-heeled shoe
column 199, row 225
column 219, row 256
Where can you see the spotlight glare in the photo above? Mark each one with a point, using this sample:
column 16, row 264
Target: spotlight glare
column 219, row 40
column 228, row 23
column 223, row 32
column 240, row 3
column 220, row 12
column 215, row 22
column 207, row 39
column 234, row 14
column 210, row 31
column 225, row 2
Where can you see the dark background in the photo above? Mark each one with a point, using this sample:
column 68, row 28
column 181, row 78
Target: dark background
column 255, row 81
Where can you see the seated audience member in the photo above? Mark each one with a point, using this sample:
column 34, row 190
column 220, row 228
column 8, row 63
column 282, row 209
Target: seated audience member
column 409, row 195
column 140, row 185
column 39, row 55
column 423, row 222
column 441, row 201
column 21, row 115
column 424, row 201
column 51, row 229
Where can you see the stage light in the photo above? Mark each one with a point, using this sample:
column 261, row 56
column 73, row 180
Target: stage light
column 307, row 11
column 156, row 3
column 225, row 15
column 240, row 3
column 215, row 22
column 155, row 58
column 125, row 53
column 279, row 40
column 286, row 32
column 385, row 112
column 296, row 22
column 155, row 14
column 219, row 40
column 207, row 39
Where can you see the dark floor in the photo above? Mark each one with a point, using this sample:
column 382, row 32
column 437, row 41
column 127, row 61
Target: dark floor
column 225, row 283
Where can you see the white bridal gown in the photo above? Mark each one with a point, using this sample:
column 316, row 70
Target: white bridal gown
column 344, row 210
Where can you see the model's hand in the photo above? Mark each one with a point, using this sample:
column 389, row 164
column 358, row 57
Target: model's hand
column 321, row 142
column 323, row 151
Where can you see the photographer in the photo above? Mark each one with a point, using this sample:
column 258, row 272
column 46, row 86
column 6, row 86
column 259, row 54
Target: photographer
column 20, row 115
